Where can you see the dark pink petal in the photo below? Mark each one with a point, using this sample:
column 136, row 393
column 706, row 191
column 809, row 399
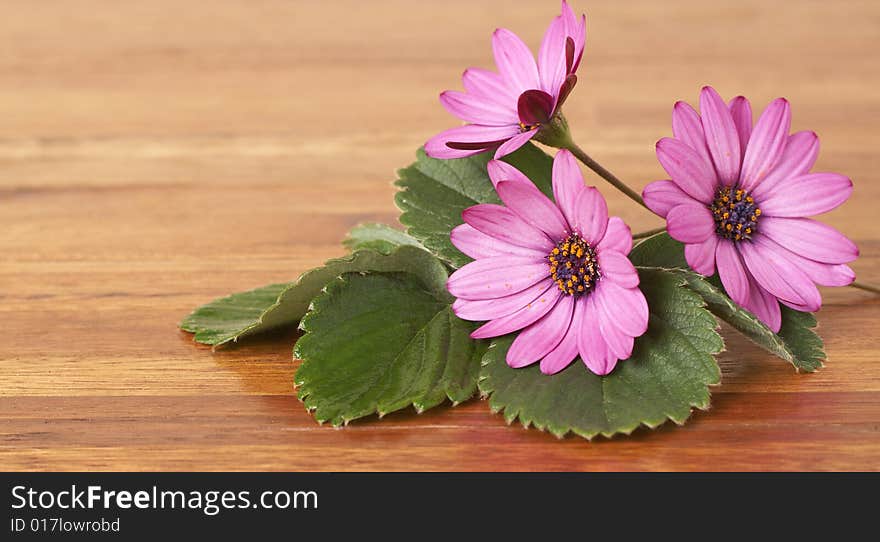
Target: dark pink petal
column 502, row 223
column 721, row 136
column 688, row 128
column 502, row 171
column 566, row 88
column 576, row 30
column 478, row 109
column 806, row 195
column 661, row 196
column 741, row 111
column 561, row 357
column 810, row 238
column 732, row 272
column 618, row 237
column 774, row 273
column 701, row 256
column 487, row 83
column 766, row 144
column 477, row 244
column 798, row 158
column 498, row 276
column 531, row 205
column 764, row 305
column 537, row 340
column 489, row 309
column 478, row 137
column 687, row 168
column 619, row 341
column 617, row 268
column 591, row 215
column 551, row 57
column 690, row 223
column 519, row 319
column 626, row 308
column 568, row 182
column 591, row 344
column 535, row 107
column 515, row 62
column 514, row 143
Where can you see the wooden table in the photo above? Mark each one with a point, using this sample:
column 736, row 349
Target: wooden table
column 155, row 155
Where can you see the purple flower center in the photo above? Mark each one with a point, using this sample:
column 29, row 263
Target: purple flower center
column 573, row 266
column 736, row 214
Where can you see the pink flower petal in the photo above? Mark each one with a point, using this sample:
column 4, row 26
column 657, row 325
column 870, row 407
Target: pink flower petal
column 688, row 170
column 766, row 144
column 499, row 276
column 619, row 342
column 798, row 158
column 576, row 29
column 503, row 224
column 690, row 223
column 732, row 272
column 477, row 244
column 741, row 111
column 825, row 274
column 502, row 171
column 687, row 128
column 486, row 83
column 531, row 205
column 661, row 196
column 721, row 136
column 764, row 305
column 701, row 256
column 591, row 344
column 551, row 57
column 810, row 238
column 626, row 308
column 618, row 237
column 489, row 309
column 478, row 109
column 617, row 268
column 561, row 357
column 774, row 273
column 476, row 136
column 591, row 215
column 519, row 319
column 515, row 61
column 568, row 182
column 806, row 195
column 514, row 143
column 537, row 340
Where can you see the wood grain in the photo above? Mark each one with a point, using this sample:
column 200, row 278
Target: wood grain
column 155, row 155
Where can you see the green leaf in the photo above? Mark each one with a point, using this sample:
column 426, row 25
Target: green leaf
column 270, row 307
column 796, row 342
column 435, row 192
column 379, row 237
column 378, row 343
column 668, row 374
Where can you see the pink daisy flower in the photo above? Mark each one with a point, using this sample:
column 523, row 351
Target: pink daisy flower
column 739, row 199
column 508, row 108
column 557, row 271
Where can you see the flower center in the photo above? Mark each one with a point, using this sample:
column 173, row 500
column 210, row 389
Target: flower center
column 735, row 213
column 523, row 127
column 573, row 266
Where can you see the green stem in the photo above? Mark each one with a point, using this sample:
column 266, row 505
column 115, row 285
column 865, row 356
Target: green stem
column 648, row 233
column 604, row 173
column 865, row 287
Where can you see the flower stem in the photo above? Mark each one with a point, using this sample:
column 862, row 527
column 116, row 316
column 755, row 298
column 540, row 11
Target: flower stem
column 648, row 233
column 604, row 173
column 865, row 287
